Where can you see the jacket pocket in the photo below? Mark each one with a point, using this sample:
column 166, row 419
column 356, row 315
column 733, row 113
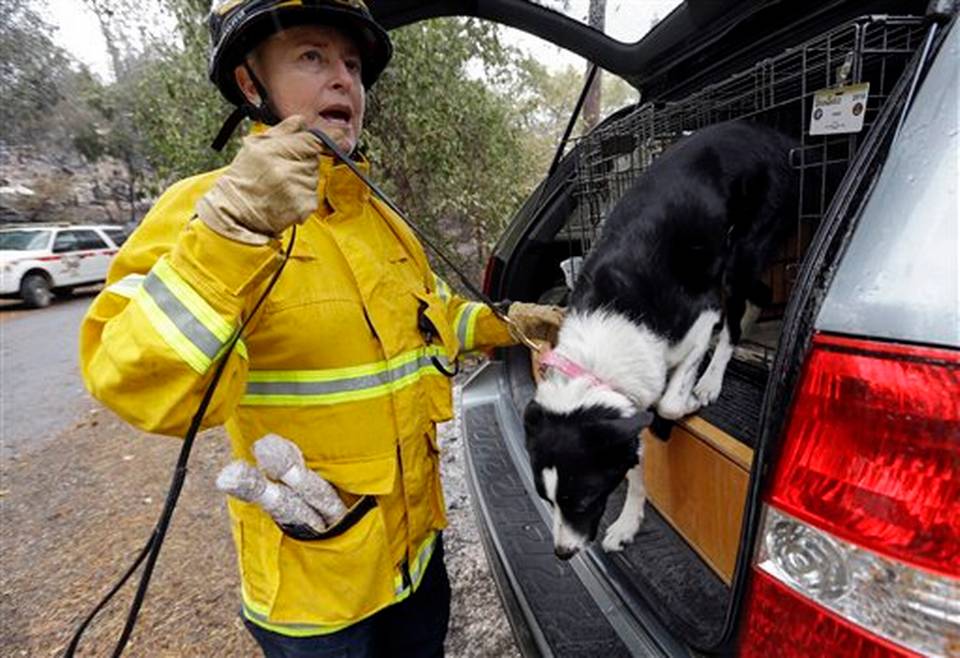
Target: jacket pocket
column 350, row 518
column 338, row 579
column 433, row 316
column 436, row 389
column 256, row 538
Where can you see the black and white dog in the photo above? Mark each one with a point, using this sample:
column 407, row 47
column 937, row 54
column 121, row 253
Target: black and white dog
column 679, row 262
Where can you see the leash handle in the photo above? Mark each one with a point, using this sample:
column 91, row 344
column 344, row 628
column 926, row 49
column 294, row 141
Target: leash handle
column 517, row 333
column 514, row 328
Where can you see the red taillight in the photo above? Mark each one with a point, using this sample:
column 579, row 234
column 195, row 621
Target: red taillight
column 783, row 624
column 872, row 450
column 859, row 553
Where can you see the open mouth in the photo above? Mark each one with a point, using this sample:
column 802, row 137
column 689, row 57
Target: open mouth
column 336, row 114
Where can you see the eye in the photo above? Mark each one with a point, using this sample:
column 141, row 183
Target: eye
column 312, row 55
column 353, row 64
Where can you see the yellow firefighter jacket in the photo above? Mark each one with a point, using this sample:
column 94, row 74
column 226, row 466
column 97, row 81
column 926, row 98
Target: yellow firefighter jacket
column 334, row 361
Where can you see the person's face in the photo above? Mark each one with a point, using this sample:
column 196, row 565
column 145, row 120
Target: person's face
column 312, row 71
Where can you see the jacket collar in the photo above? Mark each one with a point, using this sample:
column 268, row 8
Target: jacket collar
column 340, row 187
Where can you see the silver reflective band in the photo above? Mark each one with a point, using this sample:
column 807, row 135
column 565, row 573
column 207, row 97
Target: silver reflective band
column 202, row 338
column 465, row 324
column 339, row 385
column 363, row 382
column 443, row 290
column 422, row 559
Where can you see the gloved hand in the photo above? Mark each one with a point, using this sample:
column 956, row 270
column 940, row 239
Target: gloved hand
column 270, row 185
column 282, row 460
column 537, row 321
column 241, row 480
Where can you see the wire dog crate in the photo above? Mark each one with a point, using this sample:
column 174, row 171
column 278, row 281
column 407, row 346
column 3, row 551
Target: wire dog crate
column 777, row 91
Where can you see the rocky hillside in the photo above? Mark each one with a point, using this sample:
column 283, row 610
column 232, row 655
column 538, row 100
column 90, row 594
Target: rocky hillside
column 43, row 185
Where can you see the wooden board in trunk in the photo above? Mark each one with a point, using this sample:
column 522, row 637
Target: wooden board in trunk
column 698, row 481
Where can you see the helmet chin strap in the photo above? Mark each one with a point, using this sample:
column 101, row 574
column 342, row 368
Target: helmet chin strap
column 261, row 112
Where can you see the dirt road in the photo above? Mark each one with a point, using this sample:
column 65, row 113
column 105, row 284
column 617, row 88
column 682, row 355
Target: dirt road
column 80, row 490
column 39, row 375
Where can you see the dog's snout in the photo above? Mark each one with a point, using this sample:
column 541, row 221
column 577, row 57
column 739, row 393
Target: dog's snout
column 564, row 552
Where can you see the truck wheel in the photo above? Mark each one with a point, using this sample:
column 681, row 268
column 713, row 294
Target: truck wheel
column 35, row 291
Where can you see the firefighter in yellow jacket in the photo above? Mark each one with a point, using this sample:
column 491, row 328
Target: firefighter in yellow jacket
column 335, row 360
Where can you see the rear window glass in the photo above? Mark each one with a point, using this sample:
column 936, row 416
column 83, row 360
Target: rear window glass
column 624, row 20
column 119, row 236
column 24, row 240
column 77, row 240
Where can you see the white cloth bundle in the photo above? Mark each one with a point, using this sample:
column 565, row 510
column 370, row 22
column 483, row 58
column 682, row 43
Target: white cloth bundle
column 243, row 481
column 282, row 460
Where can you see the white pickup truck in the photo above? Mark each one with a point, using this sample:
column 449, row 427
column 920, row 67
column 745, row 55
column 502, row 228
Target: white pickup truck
column 37, row 261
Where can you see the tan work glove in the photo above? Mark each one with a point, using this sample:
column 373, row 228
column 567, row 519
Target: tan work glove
column 270, row 185
column 537, row 321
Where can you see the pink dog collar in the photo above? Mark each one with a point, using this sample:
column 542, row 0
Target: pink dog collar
column 555, row 360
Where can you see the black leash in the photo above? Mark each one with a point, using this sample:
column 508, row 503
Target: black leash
column 151, row 551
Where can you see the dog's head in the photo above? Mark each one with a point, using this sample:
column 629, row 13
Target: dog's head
column 578, row 459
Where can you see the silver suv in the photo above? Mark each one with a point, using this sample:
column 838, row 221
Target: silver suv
column 812, row 510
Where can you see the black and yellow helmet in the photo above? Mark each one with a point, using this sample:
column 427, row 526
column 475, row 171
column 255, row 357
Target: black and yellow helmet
column 238, row 26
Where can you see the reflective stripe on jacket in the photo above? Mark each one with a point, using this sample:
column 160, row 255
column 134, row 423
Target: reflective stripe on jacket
column 334, row 361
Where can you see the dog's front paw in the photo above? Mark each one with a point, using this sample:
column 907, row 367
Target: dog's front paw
column 621, row 533
column 675, row 408
column 671, row 408
column 708, row 388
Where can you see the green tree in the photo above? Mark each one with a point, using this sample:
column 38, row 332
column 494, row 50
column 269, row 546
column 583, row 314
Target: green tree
column 545, row 99
column 34, row 73
column 450, row 147
column 175, row 106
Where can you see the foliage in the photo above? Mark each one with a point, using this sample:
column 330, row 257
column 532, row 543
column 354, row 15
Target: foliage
column 459, row 128
column 545, row 99
column 34, row 72
column 450, row 147
column 174, row 104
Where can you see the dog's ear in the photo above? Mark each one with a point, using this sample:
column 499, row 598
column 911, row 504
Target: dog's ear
column 621, row 436
column 610, row 283
column 626, row 428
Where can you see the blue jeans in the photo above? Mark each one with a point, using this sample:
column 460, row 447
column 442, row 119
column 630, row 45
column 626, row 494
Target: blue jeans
column 415, row 627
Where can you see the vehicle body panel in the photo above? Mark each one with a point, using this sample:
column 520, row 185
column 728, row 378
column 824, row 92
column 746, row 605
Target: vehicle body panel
column 64, row 262
column 686, row 46
column 699, row 43
column 900, row 277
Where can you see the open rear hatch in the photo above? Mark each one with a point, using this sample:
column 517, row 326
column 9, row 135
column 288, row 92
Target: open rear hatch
column 672, row 588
